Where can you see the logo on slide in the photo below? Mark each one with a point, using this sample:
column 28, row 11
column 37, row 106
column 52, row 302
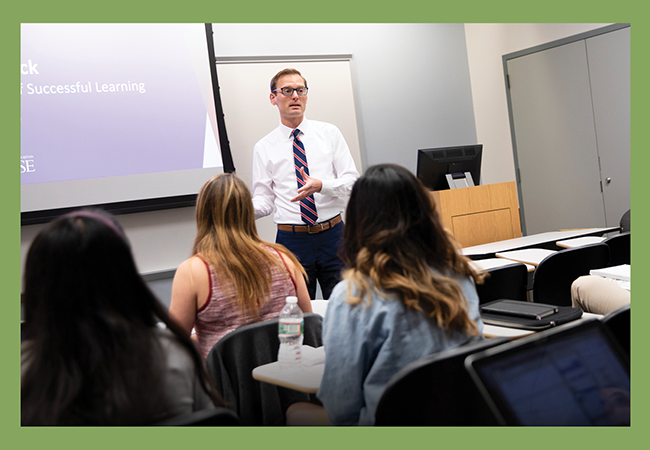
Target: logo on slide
column 27, row 164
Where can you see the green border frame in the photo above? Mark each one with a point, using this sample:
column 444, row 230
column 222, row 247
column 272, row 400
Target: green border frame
column 498, row 11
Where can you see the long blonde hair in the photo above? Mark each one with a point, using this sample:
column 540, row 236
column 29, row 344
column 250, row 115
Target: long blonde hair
column 394, row 239
column 227, row 239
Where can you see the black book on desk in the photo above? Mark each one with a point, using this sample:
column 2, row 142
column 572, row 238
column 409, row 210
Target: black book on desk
column 527, row 316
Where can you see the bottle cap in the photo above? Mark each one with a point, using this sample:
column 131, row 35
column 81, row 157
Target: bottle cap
column 292, row 299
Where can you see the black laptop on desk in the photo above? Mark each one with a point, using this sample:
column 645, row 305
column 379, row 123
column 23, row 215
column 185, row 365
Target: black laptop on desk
column 573, row 375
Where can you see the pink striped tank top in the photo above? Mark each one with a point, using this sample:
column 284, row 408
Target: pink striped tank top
column 219, row 315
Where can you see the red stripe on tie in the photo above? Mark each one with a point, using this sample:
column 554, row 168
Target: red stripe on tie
column 312, row 202
column 308, row 208
column 308, row 218
column 299, row 148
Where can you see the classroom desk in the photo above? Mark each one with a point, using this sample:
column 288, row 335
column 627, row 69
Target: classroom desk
column 307, row 379
column 303, row 379
column 578, row 242
column 482, row 265
column 545, row 240
column 492, row 331
column 319, row 307
column 528, row 256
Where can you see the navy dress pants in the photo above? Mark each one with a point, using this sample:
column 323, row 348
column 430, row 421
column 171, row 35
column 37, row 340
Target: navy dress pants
column 318, row 254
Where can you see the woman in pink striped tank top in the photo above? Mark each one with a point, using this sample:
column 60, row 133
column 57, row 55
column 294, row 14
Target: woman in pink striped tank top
column 233, row 278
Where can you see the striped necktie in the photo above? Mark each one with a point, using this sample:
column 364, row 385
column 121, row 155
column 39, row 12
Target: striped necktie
column 308, row 210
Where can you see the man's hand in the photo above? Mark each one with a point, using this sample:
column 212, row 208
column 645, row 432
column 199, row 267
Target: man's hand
column 312, row 185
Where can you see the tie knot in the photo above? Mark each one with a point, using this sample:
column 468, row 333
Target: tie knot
column 295, row 132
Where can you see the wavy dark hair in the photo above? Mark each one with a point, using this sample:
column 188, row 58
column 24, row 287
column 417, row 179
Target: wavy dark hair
column 395, row 239
column 92, row 354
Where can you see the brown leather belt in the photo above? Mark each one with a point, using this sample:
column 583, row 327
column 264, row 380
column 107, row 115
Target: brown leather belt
column 311, row 229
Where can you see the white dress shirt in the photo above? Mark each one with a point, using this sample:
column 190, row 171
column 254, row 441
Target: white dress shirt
column 274, row 175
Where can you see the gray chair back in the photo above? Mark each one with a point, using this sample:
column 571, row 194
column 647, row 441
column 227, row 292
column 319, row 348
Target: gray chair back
column 618, row 323
column 555, row 274
column 508, row 282
column 619, row 248
column 233, row 359
column 437, row 391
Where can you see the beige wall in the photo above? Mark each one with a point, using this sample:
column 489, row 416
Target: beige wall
column 486, row 44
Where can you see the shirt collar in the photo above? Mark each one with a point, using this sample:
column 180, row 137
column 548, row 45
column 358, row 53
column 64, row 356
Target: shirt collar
column 286, row 131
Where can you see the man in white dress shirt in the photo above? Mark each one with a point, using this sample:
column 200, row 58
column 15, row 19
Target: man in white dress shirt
column 306, row 189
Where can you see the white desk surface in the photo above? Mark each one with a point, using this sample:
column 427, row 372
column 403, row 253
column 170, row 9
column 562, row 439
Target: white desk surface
column 532, row 240
column 303, row 379
column 514, row 333
column 577, row 242
column 490, row 263
column 532, row 256
column 319, row 307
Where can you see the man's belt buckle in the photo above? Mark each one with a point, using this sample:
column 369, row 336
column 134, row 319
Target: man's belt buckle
column 309, row 227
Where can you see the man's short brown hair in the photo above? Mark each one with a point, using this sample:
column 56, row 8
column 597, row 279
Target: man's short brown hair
column 280, row 74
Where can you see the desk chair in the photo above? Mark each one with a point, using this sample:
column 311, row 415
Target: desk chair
column 233, row 359
column 625, row 223
column 217, row 417
column 618, row 323
column 509, row 281
column 619, row 249
column 555, row 273
column 436, row 391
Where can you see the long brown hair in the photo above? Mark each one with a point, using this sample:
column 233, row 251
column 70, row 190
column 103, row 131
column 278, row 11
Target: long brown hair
column 227, row 239
column 395, row 239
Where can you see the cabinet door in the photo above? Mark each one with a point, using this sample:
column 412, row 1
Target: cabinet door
column 555, row 140
column 609, row 71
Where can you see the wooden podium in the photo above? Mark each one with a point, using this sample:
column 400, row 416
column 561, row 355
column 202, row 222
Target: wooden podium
column 480, row 214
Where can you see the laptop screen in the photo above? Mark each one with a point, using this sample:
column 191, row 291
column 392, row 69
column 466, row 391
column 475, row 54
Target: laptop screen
column 574, row 377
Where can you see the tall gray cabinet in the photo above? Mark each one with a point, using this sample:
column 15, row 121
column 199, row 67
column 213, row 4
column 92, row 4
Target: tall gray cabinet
column 569, row 105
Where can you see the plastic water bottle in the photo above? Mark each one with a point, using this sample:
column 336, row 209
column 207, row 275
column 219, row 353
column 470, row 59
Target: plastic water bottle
column 290, row 331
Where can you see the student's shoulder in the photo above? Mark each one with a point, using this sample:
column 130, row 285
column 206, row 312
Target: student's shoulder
column 195, row 265
column 376, row 304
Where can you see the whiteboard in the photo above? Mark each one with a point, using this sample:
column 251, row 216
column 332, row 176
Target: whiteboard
column 249, row 114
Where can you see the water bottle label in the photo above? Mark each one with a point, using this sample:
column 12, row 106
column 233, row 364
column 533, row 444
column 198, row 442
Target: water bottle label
column 290, row 328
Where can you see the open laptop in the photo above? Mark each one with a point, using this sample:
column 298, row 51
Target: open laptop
column 573, row 375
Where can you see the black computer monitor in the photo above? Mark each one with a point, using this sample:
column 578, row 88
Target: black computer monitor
column 435, row 163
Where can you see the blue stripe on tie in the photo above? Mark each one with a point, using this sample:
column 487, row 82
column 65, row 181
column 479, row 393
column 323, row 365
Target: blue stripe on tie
column 310, row 200
column 307, row 219
column 308, row 208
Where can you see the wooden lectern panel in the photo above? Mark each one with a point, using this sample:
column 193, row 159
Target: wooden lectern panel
column 480, row 214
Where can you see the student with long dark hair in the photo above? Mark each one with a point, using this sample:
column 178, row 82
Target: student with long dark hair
column 99, row 348
column 406, row 293
column 233, row 278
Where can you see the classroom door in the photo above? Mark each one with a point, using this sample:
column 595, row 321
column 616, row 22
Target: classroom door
column 570, row 117
column 609, row 73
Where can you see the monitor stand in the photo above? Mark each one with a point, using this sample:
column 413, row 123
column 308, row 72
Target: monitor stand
column 459, row 180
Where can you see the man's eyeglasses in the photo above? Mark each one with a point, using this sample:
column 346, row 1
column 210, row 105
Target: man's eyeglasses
column 288, row 91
